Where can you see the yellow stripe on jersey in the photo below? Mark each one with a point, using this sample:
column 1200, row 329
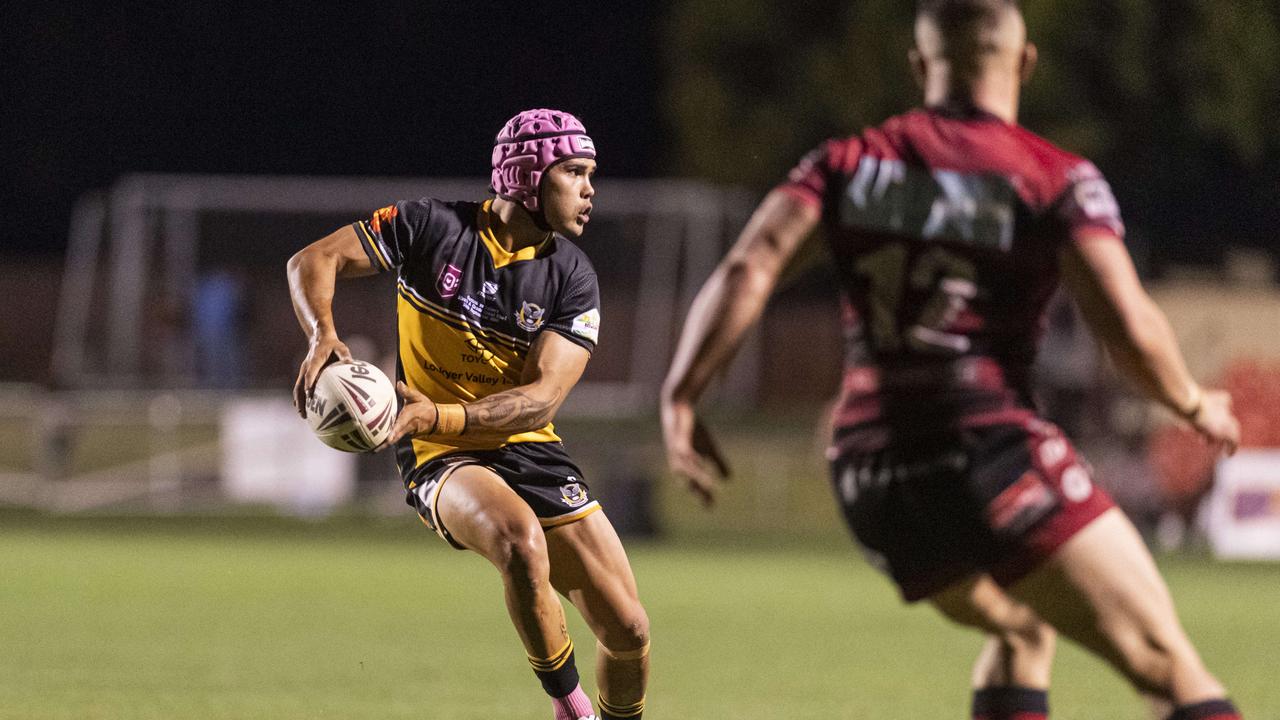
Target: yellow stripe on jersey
column 373, row 243
column 451, row 360
column 501, row 256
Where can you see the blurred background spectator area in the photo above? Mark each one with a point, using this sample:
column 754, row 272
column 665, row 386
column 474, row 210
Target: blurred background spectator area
column 163, row 164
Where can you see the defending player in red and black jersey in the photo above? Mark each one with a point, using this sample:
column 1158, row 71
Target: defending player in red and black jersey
column 950, row 228
column 498, row 313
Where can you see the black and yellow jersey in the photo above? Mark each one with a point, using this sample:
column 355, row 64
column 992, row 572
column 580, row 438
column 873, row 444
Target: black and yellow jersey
column 469, row 310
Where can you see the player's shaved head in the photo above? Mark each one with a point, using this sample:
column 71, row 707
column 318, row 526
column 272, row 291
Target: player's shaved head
column 971, row 47
column 970, row 32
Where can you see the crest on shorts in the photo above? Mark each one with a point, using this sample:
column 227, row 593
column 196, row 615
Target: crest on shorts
column 530, row 317
column 573, row 494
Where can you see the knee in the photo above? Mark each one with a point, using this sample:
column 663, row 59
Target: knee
column 1033, row 636
column 629, row 630
column 1147, row 662
column 1030, row 639
column 520, row 553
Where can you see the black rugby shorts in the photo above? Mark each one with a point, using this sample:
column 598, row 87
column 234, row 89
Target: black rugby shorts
column 541, row 473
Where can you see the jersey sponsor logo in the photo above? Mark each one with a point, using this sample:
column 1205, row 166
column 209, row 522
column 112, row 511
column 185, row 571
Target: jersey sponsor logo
column 572, row 493
column 484, row 354
column 587, row 325
column 381, row 215
column 886, row 195
column 448, row 281
column 530, row 316
column 467, row 377
column 473, row 306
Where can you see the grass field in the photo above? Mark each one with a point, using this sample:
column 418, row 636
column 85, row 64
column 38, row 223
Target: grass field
column 249, row 618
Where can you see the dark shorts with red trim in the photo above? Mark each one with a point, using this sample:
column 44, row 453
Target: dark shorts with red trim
column 540, row 473
column 997, row 499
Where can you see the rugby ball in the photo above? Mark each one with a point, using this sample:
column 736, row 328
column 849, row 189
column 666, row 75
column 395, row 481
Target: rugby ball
column 352, row 407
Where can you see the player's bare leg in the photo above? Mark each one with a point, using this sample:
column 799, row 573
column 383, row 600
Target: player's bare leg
column 1103, row 590
column 1011, row 675
column 590, row 567
column 485, row 515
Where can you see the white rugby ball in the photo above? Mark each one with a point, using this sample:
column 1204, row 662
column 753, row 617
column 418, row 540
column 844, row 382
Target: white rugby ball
column 352, row 407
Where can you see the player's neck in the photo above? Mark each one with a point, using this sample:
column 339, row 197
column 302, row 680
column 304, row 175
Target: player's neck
column 992, row 94
column 513, row 226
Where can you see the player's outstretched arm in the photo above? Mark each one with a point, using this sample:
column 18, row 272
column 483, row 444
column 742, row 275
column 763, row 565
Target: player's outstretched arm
column 728, row 304
column 1137, row 336
column 312, row 273
column 552, row 369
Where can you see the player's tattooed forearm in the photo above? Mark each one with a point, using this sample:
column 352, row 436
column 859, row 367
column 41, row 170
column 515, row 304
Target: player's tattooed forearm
column 511, row 411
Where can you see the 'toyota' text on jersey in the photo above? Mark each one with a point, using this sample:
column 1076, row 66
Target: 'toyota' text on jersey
column 469, row 310
column 946, row 227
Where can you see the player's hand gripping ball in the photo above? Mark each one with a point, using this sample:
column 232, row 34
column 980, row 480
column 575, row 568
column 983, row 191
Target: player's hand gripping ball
column 352, row 407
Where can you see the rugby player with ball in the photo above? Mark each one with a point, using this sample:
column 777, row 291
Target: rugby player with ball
column 498, row 314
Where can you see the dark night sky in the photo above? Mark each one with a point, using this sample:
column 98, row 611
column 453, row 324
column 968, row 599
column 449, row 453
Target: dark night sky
column 91, row 91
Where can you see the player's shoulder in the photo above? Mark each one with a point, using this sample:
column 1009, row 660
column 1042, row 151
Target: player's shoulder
column 896, row 131
column 1059, row 168
column 447, row 212
column 1051, row 155
column 566, row 256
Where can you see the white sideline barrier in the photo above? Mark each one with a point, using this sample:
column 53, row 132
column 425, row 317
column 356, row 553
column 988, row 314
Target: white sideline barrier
column 270, row 456
column 1243, row 518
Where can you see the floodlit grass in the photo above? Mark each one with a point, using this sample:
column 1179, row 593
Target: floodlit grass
column 246, row 619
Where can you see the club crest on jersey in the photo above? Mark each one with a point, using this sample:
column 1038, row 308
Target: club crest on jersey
column 572, row 494
column 449, row 280
column 489, row 288
column 529, row 318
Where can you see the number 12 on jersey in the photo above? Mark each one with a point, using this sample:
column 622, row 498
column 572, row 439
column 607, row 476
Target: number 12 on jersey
column 891, row 272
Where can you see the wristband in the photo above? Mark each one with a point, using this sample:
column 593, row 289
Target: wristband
column 435, row 423
column 1197, row 401
column 451, row 420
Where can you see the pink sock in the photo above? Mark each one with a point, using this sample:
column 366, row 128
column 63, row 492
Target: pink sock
column 573, row 706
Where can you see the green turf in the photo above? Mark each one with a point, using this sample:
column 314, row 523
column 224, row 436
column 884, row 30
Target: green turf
column 246, row 619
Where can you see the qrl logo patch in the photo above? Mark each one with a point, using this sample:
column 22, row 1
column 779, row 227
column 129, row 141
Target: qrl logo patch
column 573, row 495
column 449, row 280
